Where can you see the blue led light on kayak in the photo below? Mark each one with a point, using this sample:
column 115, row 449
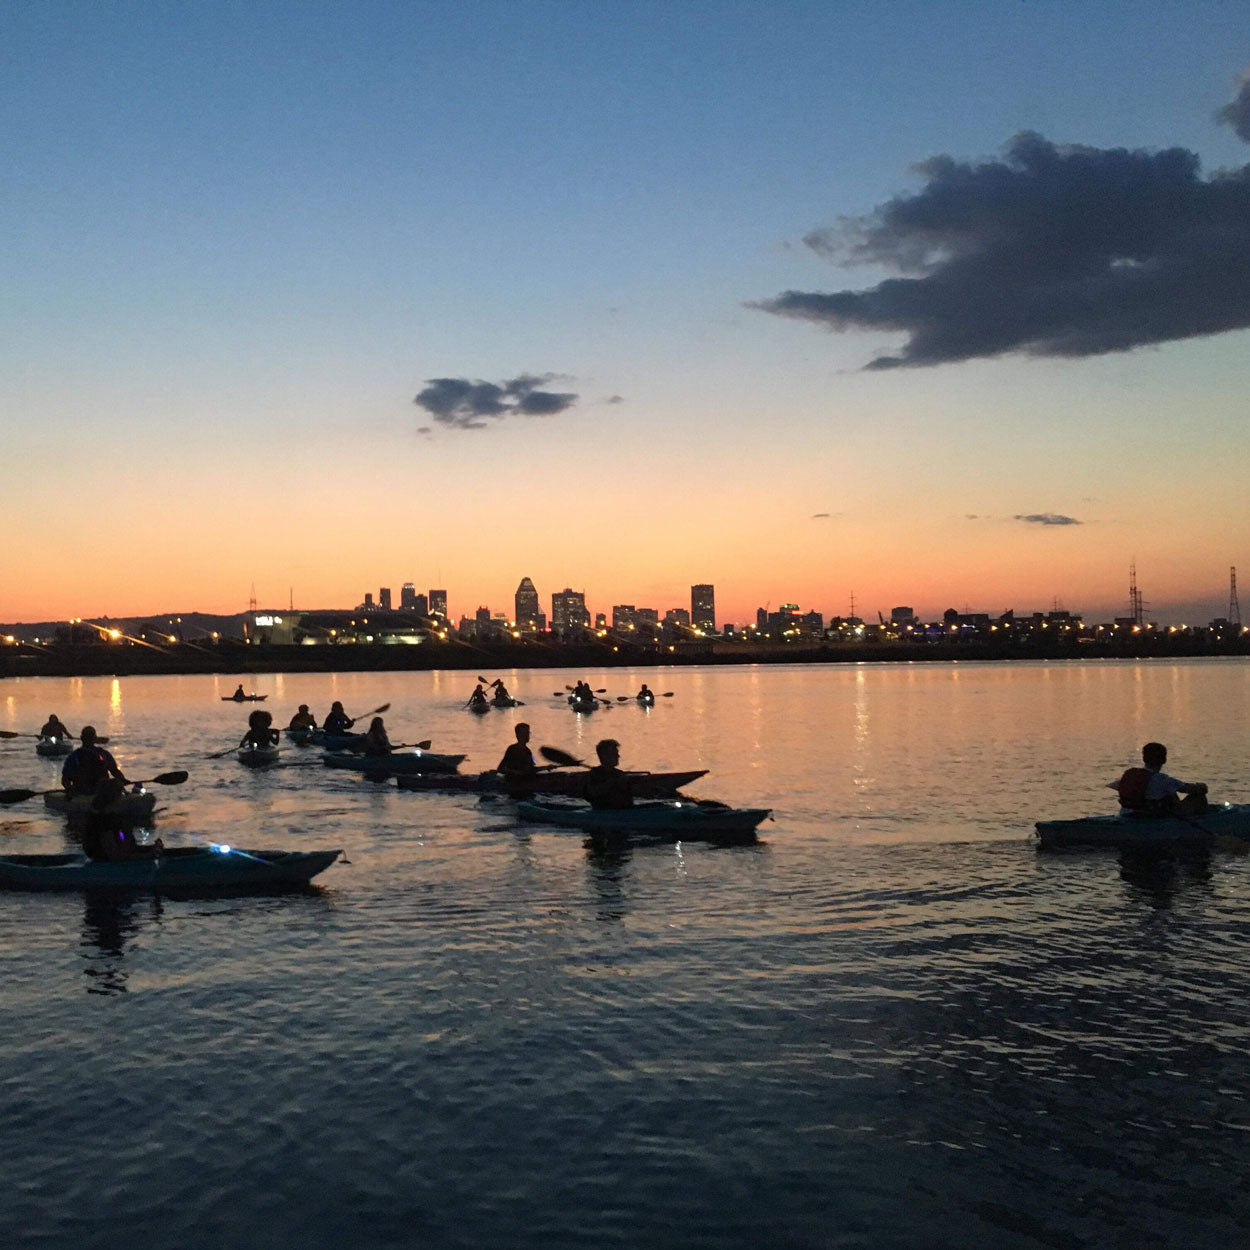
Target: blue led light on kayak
column 223, row 849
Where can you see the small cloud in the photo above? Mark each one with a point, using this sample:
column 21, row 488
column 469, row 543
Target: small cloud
column 1046, row 518
column 470, row 405
column 1237, row 112
column 816, row 516
column 974, row 516
column 615, row 399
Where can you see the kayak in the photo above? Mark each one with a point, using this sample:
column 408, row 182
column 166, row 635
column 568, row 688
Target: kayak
column 133, row 805
column 583, row 705
column 183, row 869
column 53, row 746
column 646, row 785
column 479, row 709
column 339, row 742
column 680, row 820
column 244, row 698
column 259, row 757
column 1144, row 832
column 645, row 700
column 507, row 701
column 302, row 735
column 398, row 763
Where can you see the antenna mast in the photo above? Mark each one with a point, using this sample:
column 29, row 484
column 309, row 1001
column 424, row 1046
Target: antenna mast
column 251, row 603
column 1234, row 608
column 1137, row 608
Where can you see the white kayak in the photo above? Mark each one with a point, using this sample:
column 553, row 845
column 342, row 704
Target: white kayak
column 52, row 747
column 133, row 805
column 1227, row 820
column 259, row 757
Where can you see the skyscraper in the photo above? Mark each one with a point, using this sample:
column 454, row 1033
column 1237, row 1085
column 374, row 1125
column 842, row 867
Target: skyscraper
column 438, row 603
column 527, row 612
column 408, row 597
column 703, row 608
column 384, row 598
column 568, row 611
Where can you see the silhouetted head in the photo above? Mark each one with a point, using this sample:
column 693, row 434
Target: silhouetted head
column 376, row 726
column 88, row 735
column 336, row 706
column 1154, row 755
column 522, row 732
column 303, row 707
column 256, row 720
column 609, row 752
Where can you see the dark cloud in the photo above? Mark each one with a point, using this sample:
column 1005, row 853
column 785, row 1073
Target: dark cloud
column 1050, row 251
column 1237, row 113
column 615, row 399
column 816, row 516
column 1047, row 518
column 470, row 405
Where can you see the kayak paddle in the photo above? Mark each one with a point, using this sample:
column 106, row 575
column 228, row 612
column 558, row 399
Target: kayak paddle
column 12, row 733
column 561, row 758
column 175, row 778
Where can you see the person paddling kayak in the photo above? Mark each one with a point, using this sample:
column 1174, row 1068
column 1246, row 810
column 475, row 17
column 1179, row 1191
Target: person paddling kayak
column 517, row 766
column 303, row 719
column 1149, row 791
column 607, row 787
column 54, row 729
column 376, row 740
column 260, row 731
column 91, row 770
column 478, row 697
column 338, row 721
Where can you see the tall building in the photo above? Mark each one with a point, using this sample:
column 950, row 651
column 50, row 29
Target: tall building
column 568, row 611
column 420, row 605
column 703, row 608
column 438, row 603
column 368, row 605
column 527, row 613
column 384, row 598
column 408, row 597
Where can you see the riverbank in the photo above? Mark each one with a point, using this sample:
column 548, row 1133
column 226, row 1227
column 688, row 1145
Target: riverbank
column 231, row 657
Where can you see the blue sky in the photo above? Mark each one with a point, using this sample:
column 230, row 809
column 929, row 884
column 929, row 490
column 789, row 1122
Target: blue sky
column 243, row 237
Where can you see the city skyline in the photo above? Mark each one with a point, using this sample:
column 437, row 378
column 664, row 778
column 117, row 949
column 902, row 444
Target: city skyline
column 946, row 310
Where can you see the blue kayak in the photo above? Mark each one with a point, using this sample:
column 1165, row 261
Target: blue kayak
column 396, row 764
column 181, row 870
column 1228, row 820
column 683, row 819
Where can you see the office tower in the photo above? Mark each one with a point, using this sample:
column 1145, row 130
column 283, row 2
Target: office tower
column 368, row 601
column 408, row 597
column 527, row 612
column 703, row 608
column 438, row 603
column 568, row 611
column 420, row 605
column 384, row 598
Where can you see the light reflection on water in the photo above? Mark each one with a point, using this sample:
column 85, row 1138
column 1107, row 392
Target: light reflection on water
column 891, row 1023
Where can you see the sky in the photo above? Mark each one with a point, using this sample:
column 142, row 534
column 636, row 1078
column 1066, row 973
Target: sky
column 932, row 305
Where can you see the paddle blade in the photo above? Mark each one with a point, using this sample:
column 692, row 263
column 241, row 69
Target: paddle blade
column 16, row 796
column 423, row 746
column 12, row 733
column 668, row 694
column 483, row 682
column 176, row 778
column 563, row 758
column 377, row 711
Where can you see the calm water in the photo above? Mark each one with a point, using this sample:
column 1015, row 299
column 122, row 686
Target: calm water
column 890, row 1024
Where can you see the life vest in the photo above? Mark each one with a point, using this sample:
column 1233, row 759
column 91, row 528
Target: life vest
column 87, row 769
column 1132, row 788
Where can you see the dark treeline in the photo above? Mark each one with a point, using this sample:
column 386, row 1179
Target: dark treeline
column 230, row 657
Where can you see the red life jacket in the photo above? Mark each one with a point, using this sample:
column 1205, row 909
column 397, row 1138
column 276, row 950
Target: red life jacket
column 1132, row 788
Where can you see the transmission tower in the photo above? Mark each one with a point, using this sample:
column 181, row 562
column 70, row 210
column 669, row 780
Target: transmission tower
column 1136, row 608
column 1234, row 608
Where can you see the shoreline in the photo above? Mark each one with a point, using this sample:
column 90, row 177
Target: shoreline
column 240, row 658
